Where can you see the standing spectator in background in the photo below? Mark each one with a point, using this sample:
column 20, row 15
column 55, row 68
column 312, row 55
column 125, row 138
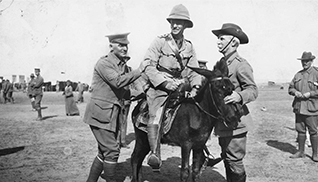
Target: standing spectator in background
column 36, row 85
column 80, row 89
column 104, row 111
column 23, row 86
column 70, row 105
column 202, row 64
column 305, row 105
column 4, row 90
column 10, row 92
column 57, row 87
column 30, row 92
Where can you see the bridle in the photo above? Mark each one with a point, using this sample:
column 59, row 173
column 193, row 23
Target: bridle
column 220, row 116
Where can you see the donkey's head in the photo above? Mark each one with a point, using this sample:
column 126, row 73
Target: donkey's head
column 220, row 86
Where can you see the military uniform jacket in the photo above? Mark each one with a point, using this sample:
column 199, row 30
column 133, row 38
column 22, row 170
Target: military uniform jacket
column 305, row 81
column 241, row 75
column 161, row 54
column 37, row 85
column 109, row 86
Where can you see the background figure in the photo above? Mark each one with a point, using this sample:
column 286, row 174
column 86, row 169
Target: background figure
column 232, row 140
column 57, row 87
column 10, row 92
column 30, row 92
column 305, row 105
column 36, row 85
column 70, row 105
column 4, row 91
column 202, row 64
column 80, row 89
column 104, row 110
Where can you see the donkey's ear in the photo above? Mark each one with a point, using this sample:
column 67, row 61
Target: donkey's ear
column 204, row 72
column 222, row 66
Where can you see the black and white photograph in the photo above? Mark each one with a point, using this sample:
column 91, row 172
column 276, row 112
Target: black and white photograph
column 158, row 90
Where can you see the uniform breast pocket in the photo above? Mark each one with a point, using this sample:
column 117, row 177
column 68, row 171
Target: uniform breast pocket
column 102, row 111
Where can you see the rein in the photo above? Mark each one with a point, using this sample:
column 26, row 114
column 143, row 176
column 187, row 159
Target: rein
column 220, row 117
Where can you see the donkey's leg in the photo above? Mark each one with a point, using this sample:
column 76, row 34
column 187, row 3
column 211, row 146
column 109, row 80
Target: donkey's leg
column 185, row 166
column 198, row 160
column 141, row 149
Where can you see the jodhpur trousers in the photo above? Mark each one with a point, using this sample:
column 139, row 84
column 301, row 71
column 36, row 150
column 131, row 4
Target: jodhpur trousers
column 108, row 146
column 304, row 121
column 233, row 152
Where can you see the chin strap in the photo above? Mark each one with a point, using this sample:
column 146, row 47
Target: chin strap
column 227, row 44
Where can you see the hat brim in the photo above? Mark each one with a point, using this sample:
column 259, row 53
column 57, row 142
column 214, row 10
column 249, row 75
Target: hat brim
column 230, row 31
column 312, row 58
column 189, row 22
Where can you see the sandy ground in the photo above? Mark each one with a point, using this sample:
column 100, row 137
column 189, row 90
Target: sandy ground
column 62, row 148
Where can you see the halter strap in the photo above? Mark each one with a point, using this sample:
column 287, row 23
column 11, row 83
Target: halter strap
column 220, row 78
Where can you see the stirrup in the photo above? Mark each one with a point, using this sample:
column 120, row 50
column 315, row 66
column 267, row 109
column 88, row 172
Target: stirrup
column 213, row 161
column 154, row 162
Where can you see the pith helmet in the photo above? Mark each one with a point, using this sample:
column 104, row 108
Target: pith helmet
column 180, row 12
column 232, row 29
column 307, row 56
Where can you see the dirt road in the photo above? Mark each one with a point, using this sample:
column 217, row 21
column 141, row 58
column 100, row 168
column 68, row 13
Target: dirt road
column 61, row 148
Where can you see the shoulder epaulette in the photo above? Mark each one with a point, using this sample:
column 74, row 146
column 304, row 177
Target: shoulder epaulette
column 164, row 35
column 188, row 41
column 316, row 68
column 239, row 58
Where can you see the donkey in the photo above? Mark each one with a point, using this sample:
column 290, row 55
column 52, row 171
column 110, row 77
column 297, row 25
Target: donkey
column 192, row 124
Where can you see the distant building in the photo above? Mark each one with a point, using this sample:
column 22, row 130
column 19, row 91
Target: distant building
column 271, row 83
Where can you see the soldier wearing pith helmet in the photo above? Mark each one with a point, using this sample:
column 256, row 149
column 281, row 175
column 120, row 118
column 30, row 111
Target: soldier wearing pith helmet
column 233, row 140
column 104, row 111
column 304, row 88
column 170, row 55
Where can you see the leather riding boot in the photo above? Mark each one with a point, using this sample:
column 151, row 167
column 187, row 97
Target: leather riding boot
column 95, row 171
column 228, row 172
column 239, row 177
column 314, row 145
column 234, row 177
column 301, row 147
column 154, row 160
column 39, row 115
column 109, row 171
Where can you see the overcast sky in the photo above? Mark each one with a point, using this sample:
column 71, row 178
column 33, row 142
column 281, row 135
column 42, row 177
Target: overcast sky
column 69, row 36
